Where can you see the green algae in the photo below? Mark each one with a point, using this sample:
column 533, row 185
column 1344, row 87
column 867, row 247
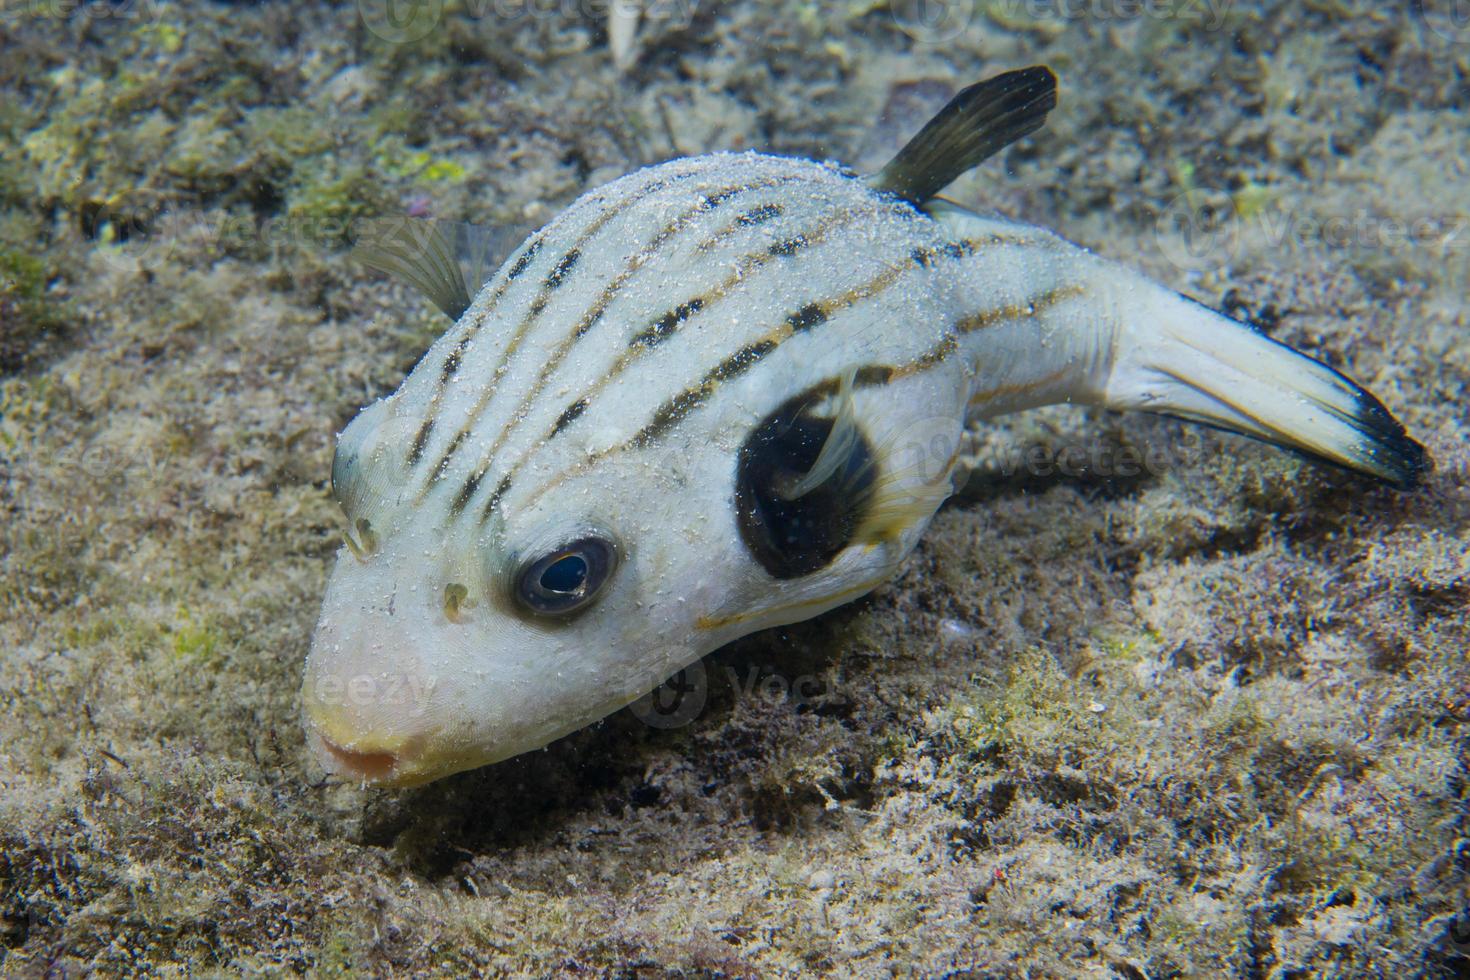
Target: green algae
column 32, row 320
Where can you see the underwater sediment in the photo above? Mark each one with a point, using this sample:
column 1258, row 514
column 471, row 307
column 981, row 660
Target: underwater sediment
column 1145, row 700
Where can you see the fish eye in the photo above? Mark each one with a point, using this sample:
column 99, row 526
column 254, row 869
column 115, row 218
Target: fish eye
column 567, row 578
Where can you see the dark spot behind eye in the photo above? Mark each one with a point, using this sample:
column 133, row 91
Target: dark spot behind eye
column 791, row 538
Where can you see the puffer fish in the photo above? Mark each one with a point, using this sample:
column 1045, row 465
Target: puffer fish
column 721, row 394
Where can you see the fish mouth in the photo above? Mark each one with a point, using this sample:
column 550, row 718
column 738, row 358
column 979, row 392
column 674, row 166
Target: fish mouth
column 367, row 765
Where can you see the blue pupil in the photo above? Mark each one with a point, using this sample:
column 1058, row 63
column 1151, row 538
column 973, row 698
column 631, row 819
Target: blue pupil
column 565, row 575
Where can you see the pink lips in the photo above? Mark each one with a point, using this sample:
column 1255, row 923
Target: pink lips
column 370, row 766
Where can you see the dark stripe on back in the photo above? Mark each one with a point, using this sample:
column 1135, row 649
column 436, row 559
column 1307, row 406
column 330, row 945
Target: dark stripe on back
column 1015, row 311
column 453, row 360
column 466, row 492
column 807, row 317
column 525, row 260
column 760, row 215
column 741, row 361
column 926, row 257
column 495, row 497
column 676, row 409
column 421, row 440
column 667, row 324
column 935, row 355
column 719, row 197
column 574, row 411
column 789, row 247
column 453, row 446
column 671, row 413
column 559, row 272
column 878, row 375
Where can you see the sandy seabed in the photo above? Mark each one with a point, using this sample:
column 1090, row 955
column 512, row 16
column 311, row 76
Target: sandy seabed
column 1204, row 716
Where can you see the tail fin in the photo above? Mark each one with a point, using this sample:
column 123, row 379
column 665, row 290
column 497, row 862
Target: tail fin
column 1180, row 358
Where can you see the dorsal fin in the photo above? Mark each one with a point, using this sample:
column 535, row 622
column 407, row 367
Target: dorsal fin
column 446, row 261
column 978, row 122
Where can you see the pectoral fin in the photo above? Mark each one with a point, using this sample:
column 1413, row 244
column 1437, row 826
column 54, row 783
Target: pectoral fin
column 841, row 446
column 446, row 261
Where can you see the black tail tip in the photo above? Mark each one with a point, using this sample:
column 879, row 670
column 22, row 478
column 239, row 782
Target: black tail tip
column 1408, row 463
column 1389, row 451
